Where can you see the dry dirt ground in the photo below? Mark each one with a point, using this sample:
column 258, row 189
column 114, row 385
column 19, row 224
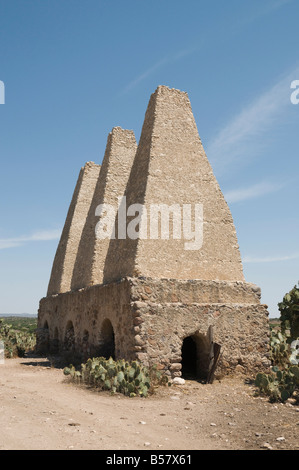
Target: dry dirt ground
column 40, row 409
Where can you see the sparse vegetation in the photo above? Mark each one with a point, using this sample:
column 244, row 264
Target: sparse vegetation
column 282, row 382
column 130, row 378
column 18, row 335
column 289, row 312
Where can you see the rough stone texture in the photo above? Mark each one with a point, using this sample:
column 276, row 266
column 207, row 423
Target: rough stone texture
column 117, row 162
column 171, row 167
column 85, row 311
column 62, row 270
column 148, row 299
column 241, row 326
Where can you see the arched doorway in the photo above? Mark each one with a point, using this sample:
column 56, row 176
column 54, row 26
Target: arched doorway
column 47, row 336
column 43, row 338
column 106, row 340
column 55, row 342
column 196, row 350
column 189, row 357
column 69, row 337
column 85, row 345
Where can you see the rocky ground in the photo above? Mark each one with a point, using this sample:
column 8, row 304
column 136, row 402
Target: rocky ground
column 40, row 409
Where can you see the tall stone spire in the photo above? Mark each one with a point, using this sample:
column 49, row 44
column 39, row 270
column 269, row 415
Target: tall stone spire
column 63, row 265
column 171, row 169
column 119, row 154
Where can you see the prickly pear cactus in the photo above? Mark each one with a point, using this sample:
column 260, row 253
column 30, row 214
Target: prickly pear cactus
column 289, row 312
column 132, row 379
column 283, row 381
column 280, row 384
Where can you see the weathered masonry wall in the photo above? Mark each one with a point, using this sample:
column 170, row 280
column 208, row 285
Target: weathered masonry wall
column 150, row 318
column 84, row 312
column 167, row 312
column 63, row 265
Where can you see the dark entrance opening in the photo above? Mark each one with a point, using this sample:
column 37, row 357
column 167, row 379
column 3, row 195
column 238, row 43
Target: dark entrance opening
column 69, row 337
column 85, row 346
column 189, row 358
column 200, row 356
column 106, row 340
column 43, row 338
column 55, row 342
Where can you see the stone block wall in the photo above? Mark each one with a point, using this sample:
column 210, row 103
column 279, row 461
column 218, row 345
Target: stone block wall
column 150, row 318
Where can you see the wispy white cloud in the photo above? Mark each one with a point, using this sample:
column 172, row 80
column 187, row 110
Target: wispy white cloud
column 43, row 235
column 269, row 259
column 145, row 74
column 266, row 9
column 272, row 6
column 279, row 4
column 244, row 136
column 251, row 192
column 172, row 58
column 253, row 15
column 9, row 244
column 159, row 64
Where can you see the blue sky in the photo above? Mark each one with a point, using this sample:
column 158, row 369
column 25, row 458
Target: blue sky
column 74, row 69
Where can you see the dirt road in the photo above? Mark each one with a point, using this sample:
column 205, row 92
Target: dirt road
column 39, row 409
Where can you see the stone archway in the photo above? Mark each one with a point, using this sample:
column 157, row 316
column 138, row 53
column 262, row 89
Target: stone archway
column 43, row 338
column 69, row 337
column 85, row 345
column 55, row 342
column 189, row 355
column 196, row 350
column 106, row 340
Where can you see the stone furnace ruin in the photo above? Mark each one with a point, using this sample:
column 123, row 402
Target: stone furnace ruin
column 154, row 297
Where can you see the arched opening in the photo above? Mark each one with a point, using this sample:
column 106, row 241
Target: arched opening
column 56, row 333
column 55, row 342
column 189, row 357
column 106, row 340
column 69, row 337
column 85, row 345
column 46, row 336
column 43, row 338
column 196, row 357
column 85, row 337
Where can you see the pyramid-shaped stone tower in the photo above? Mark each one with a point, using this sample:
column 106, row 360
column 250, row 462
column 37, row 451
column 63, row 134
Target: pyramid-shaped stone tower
column 148, row 266
column 117, row 163
column 63, row 265
column 171, row 169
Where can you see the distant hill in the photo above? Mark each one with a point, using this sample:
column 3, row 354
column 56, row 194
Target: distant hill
column 18, row 315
